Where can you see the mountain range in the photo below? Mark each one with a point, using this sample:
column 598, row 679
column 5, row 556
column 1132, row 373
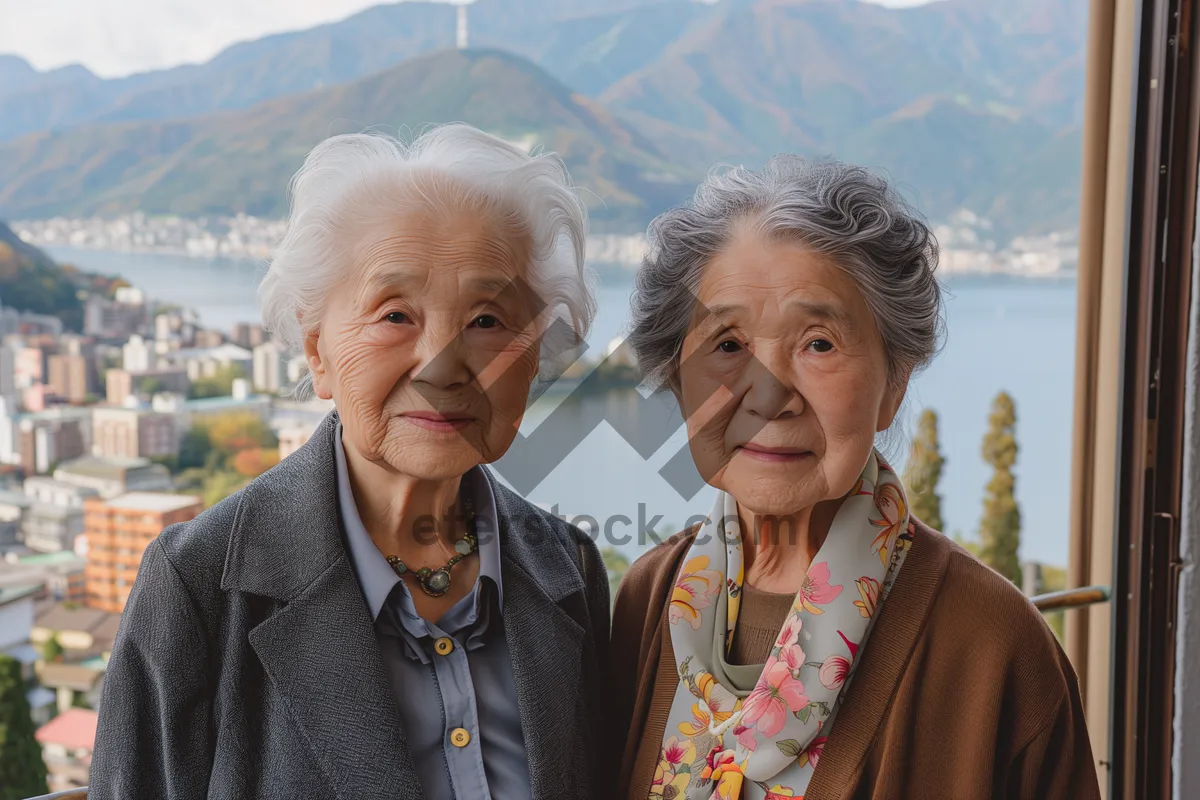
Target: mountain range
column 967, row 103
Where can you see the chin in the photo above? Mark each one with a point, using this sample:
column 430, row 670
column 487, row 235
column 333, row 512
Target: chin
column 433, row 461
column 774, row 489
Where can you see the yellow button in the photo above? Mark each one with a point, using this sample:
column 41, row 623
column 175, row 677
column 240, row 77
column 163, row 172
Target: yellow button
column 443, row 646
column 459, row 737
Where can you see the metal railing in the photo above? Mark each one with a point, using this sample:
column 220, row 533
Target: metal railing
column 1072, row 598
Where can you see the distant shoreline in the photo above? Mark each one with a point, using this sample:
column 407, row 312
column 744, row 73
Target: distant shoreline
column 606, row 271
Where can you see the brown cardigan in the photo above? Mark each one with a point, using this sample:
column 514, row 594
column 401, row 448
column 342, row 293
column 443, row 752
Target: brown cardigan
column 961, row 691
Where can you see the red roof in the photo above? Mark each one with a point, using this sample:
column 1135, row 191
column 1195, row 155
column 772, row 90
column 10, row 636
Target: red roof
column 74, row 729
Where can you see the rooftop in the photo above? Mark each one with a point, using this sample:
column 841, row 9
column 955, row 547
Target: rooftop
column 46, row 482
column 12, row 594
column 10, row 498
column 97, row 467
column 72, row 617
column 74, row 729
column 48, row 559
column 152, row 501
column 77, row 677
column 228, row 401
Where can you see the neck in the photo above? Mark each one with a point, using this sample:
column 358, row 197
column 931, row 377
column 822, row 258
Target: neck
column 404, row 515
column 779, row 548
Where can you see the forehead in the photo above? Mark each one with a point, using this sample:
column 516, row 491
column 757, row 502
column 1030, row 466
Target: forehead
column 760, row 272
column 425, row 241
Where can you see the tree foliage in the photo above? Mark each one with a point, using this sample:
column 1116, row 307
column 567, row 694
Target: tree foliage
column 616, row 564
column 255, row 461
column 1000, row 525
column 924, row 471
column 22, row 771
column 232, row 433
column 219, row 384
column 52, row 651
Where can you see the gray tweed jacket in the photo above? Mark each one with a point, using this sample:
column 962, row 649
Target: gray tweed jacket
column 246, row 664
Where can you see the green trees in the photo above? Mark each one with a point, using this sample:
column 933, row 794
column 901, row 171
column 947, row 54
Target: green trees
column 22, row 771
column 616, row 564
column 1000, row 525
column 923, row 471
column 52, row 651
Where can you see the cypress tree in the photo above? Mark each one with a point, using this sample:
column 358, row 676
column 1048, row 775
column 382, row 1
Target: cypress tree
column 22, row 771
column 923, row 471
column 1000, row 527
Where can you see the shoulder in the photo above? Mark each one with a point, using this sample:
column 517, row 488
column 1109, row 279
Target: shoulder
column 647, row 581
column 980, row 617
column 198, row 549
column 663, row 558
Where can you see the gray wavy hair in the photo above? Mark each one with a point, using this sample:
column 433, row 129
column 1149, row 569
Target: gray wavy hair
column 844, row 212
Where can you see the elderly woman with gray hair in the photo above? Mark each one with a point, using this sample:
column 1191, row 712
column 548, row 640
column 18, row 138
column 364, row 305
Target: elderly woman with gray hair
column 809, row 638
column 378, row 617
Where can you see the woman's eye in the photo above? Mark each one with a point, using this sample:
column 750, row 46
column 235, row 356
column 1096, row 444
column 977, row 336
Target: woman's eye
column 397, row 318
column 729, row 346
column 486, row 321
column 821, row 345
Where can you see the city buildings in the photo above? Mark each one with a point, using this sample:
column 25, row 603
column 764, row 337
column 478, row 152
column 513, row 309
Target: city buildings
column 138, row 355
column 67, row 742
column 133, row 432
column 121, row 384
column 59, row 574
column 118, row 531
column 69, row 378
column 210, row 361
column 116, row 318
column 55, row 516
column 111, row 477
column 50, row 436
column 248, row 334
column 270, row 368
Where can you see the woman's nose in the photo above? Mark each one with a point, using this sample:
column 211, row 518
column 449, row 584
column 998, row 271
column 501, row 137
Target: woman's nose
column 443, row 362
column 770, row 393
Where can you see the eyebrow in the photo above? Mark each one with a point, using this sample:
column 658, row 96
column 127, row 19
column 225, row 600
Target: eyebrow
column 379, row 282
column 716, row 315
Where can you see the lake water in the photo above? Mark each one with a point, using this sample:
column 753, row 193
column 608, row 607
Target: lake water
column 1004, row 334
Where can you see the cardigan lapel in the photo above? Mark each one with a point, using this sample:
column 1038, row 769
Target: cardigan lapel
column 546, row 643
column 885, row 657
column 318, row 647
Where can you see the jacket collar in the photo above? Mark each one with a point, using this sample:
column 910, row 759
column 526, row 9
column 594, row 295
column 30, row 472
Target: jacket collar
column 287, row 544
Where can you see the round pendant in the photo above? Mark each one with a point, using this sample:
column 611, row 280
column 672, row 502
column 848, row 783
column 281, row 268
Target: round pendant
column 437, row 582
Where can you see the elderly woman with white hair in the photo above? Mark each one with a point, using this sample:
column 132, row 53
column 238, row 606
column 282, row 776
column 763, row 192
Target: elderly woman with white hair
column 809, row 638
column 377, row 616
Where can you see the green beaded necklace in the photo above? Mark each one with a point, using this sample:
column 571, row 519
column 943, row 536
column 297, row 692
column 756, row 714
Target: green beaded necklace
column 436, row 582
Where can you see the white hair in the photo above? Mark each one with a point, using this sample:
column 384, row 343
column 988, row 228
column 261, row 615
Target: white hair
column 350, row 178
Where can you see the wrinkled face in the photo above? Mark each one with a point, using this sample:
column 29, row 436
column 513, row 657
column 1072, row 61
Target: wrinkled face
column 783, row 377
column 428, row 346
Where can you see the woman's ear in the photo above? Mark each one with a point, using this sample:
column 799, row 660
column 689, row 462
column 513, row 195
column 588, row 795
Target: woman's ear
column 317, row 367
column 892, row 398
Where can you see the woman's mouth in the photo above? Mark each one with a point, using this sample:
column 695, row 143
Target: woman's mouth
column 437, row 422
column 775, row 455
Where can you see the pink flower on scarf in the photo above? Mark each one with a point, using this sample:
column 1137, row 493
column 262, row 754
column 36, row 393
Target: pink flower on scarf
column 835, row 669
column 778, row 692
column 816, row 590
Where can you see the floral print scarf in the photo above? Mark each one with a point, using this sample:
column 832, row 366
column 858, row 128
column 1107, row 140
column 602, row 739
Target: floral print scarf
column 765, row 744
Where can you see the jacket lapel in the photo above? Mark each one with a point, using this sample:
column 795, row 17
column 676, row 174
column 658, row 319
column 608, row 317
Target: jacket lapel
column 546, row 643
column 319, row 648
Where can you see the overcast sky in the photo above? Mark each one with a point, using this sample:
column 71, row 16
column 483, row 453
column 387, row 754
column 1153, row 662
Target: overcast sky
column 119, row 37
